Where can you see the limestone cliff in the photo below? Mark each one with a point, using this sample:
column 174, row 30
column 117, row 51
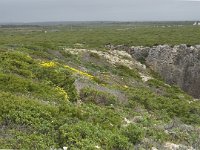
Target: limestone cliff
column 178, row 65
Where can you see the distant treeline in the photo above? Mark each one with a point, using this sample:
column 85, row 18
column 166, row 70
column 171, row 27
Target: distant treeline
column 95, row 23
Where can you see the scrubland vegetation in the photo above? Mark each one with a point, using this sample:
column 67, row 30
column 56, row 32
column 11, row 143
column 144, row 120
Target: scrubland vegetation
column 51, row 97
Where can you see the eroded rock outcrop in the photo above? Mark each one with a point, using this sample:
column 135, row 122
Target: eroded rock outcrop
column 178, row 65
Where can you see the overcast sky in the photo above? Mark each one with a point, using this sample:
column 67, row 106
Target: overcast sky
column 98, row 10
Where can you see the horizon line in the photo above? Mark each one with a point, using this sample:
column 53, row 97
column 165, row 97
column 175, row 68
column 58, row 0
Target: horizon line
column 25, row 22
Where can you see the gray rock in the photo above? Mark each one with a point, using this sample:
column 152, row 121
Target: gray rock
column 179, row 65
column 139, row 53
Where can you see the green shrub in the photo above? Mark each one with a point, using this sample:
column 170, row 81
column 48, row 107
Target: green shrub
column 156, row 83
column 94, row 55
column 70, row 57
column 134, row 133
column 119, row 142
column 156, row 134
column 97, row 97
column 76, row 135
column 41, row 90
column 22, row 110
column 17, row 63
column 23, row 140
column 23, row 65
column 83, row 135
column 60, row 77
column 126, row 72
column 167, row 106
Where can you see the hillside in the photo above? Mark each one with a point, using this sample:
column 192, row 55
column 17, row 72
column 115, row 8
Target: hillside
column 61, row 87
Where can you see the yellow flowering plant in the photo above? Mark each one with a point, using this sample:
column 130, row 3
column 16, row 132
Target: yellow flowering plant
column 79, row 72
column 53, row 64
column 62, row 92
column 48, row 64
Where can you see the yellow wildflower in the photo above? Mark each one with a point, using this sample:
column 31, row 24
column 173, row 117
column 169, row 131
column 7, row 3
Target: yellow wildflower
column 125, row 86
column 61, row 91
column 79, row 72
column 48, row 64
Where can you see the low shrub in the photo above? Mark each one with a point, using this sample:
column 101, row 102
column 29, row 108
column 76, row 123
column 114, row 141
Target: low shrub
column 94, row 55
column 167, row 106
column 126, row 72
column 97, row 97
column 134, row 133
column 40, row 90
column 60, row 77
column 83, row 135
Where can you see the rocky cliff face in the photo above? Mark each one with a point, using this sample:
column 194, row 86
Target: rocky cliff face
column 178, row 65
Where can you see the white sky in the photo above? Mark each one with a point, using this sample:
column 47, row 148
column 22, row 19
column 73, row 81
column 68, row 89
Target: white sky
column 98, row 10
